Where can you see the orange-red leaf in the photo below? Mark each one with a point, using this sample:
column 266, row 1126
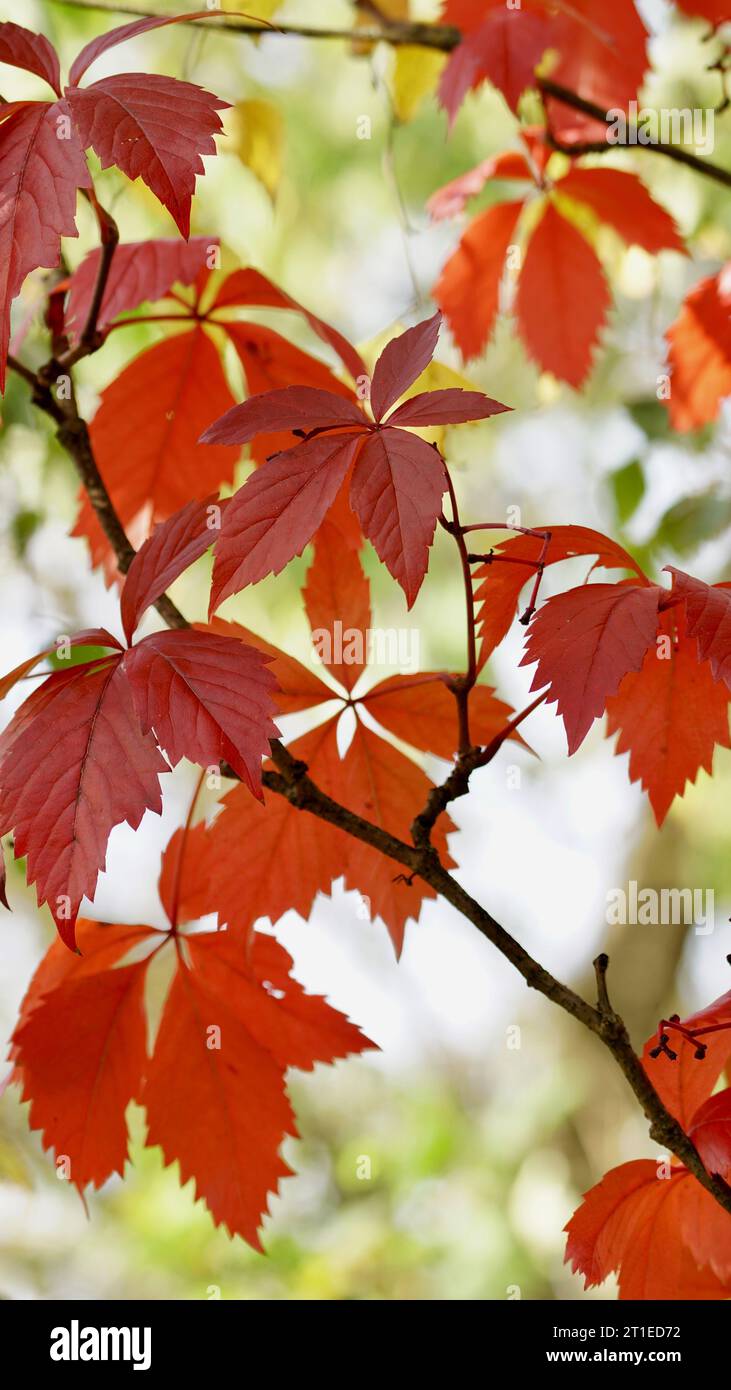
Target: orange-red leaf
column 468, row 288
column 700, row 353
column 562, row 299
column 653, row 1232
column 669, row 715
column 337, row 598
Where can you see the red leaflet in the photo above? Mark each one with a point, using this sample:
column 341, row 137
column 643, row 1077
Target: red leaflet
column 234, row 1021
column 708, row 619
column 336, row 585
column 469, row 286
column 80, row 1056
column 141, row 271
column 208, row 698
column 152, row 414
column 293, row 407
column 562, row 299
column 396, row 493
column 153, row 128
column 401, row 362
column 39, row 175
column 621, row 200
column 277, row 511
column 73, row 764
column 24, row 49
column 653, row 1232
column 685, row 1082
column 669, row 715
column 397, row 481
column 585, row 641
column 700, row 353
column 501, row 581
column 169, row 551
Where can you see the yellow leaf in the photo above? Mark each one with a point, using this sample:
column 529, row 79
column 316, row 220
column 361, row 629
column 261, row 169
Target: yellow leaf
column 414, row 77
column 256, row 9
column 256, row 134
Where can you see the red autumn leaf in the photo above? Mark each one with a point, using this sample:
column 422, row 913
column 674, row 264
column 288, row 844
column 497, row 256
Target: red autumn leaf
column 73, row 764
column 171, row 548
column 39, row 175
column 397, row 484
column 562, row 300
column 141, row 271
column 422, row 711
column 151, row 127
column 653, row 1232
column 208, row 698
column 585, row 641
column 500, row 582
column 451, row 406
column 710, row 1131
column 152, row 414
column 468, row 288
column 708, row 619
column 80, row 1053
column 669, row 716
column 224, row 1115
column 621, row 200
column 337, row 599
column 686, row 1082
column 699, row 355
column 21, row 48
